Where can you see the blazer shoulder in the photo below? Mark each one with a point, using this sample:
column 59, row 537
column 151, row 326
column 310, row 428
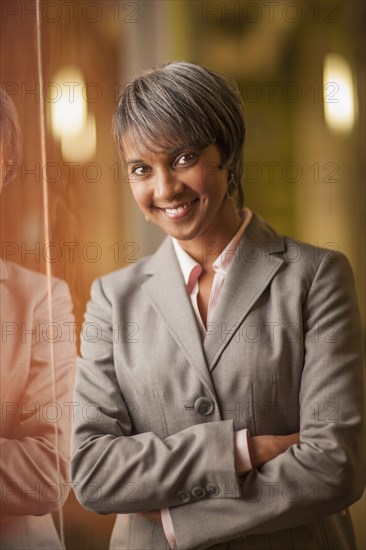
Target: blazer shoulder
column 123, row 279
column 294, row 251
column 311, row 263
column 312, row 253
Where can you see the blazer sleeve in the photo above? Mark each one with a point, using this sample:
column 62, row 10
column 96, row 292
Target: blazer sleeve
column 34, row 458
column 116, row 471
column 326, row 473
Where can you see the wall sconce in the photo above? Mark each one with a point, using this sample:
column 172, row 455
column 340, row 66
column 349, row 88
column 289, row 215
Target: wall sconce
column 80, row 147
column 71, row 124
column 339, row 96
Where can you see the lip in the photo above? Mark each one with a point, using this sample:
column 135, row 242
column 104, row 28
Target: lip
column 181, row 214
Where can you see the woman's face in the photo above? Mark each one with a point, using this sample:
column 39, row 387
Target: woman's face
column 182, row 190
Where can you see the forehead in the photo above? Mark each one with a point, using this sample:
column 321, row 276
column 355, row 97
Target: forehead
column 133, row 148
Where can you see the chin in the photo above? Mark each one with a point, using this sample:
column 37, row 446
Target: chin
column 186, row 236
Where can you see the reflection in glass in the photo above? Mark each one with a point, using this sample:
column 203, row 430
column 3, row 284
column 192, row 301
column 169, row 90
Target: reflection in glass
column 37, row 370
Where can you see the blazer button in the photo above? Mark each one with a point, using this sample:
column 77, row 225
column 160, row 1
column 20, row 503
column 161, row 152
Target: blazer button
column 183, row 496
column 212, row 489
column 198, row 492
column 204, row 406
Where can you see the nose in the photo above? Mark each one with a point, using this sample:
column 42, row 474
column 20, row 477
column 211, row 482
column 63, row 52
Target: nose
column 167, row 186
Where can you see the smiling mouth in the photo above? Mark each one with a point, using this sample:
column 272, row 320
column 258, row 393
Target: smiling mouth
column 180, row 211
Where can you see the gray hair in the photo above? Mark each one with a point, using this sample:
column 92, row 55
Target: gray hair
column 182, row 103
column 10, row 137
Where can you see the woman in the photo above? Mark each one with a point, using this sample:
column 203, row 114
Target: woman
column 36, row 382
column 199, row 359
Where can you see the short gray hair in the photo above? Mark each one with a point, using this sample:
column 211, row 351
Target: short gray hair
column 10, row 137
column 182, row 103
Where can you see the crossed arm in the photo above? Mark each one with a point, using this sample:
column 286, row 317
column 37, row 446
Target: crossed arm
column 249, row 453
column 34, row 476
column 326, row 469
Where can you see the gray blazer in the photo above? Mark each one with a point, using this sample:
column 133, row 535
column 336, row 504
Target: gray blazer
column 156, row 408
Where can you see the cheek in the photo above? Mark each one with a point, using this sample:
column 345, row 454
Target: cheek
column 221, row 181
column 214, row 190
column 199, row 184
column 211, row 184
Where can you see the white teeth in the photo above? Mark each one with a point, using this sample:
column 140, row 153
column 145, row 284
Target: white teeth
column 178, row 210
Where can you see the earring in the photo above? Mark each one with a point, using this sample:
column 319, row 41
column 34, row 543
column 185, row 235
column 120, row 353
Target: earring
column 231, row 186
column 147, row 218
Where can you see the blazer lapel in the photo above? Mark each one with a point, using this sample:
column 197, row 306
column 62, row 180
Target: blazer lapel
column 167, row 292
column 254, row 266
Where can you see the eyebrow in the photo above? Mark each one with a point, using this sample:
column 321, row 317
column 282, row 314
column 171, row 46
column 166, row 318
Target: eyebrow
column 171, row 153
column 133, row 161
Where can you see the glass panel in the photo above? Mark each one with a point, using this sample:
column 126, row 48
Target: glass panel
column 38, row 347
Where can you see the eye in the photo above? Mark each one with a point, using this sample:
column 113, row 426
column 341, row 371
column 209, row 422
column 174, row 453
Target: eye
column 141, row 170
column 186, row 158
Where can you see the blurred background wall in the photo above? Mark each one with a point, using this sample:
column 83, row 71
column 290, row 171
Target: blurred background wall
column 300, row 68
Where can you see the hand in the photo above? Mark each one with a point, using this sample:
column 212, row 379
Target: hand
column 263, row 448
column 152, row 515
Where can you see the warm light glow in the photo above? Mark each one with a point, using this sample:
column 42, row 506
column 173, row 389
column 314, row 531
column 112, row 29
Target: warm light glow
column 339, row 103
column 80, row 147
column 69, row 107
